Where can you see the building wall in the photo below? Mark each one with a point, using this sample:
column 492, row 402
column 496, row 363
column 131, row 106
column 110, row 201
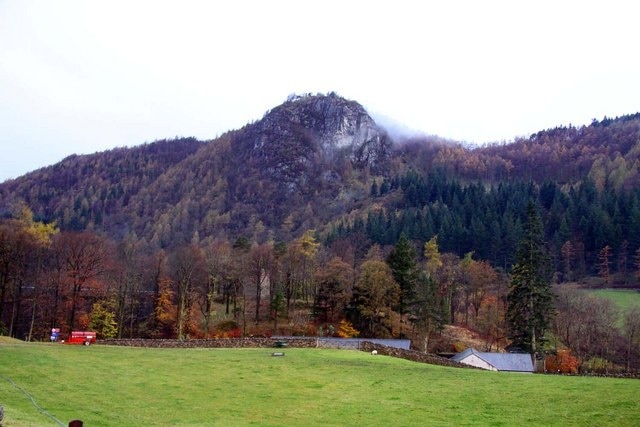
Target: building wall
column 474, row 360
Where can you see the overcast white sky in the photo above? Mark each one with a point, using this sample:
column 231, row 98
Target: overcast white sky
column 85, row 76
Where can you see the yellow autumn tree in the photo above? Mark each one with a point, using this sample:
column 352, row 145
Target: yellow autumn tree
column 346, row 329
column 432, row 254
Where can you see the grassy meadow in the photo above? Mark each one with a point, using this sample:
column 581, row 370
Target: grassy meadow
column 622, row 298
column 117, row 386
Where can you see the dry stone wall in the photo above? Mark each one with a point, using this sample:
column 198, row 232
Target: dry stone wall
column 213, row 343
column 415, row 356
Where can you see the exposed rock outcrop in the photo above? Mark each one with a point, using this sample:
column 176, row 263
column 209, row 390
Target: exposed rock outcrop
column 309, row 131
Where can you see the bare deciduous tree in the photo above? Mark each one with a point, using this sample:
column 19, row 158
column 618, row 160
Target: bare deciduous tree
column 187, row 269
column 83, row 256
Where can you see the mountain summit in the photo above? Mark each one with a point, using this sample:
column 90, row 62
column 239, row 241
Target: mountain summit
column 336, row 122
column 311, row 131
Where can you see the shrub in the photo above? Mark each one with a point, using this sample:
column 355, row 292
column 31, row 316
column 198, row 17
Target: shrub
column 346, row 330
column 597, row 365
column 227, row 325
column 458, row 346
column 233, row 333
column 102, row 320
column 563, row 363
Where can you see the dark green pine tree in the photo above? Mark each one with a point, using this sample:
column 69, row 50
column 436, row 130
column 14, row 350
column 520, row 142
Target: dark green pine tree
column 402, row 261
column 530, row 299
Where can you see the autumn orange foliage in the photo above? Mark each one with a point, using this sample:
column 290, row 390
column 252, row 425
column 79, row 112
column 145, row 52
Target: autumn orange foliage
column 563, row 363
column 346, row 330
column 233, row 333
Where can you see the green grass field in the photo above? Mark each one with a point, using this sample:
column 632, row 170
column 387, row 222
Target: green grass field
column 119, row 386
column 623, row 298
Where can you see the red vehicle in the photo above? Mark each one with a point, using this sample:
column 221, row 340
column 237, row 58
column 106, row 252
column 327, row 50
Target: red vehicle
column 82, row 337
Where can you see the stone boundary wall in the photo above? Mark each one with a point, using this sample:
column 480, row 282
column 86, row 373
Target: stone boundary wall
column 212, row 343
column 414, row 356
column 252, row 342
column 356, row 343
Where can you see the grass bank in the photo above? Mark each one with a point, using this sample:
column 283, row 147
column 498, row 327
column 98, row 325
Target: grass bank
column 105, row 386
column 622, row 298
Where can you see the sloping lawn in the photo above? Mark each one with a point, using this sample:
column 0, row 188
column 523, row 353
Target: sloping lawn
column 119, row 386
column 624, row 299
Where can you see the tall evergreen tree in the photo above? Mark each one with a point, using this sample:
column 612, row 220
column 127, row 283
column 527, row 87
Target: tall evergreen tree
column 530, row 299
column 402, row 261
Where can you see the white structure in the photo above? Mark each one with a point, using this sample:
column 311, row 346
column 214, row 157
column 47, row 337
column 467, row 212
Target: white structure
column 508, row 362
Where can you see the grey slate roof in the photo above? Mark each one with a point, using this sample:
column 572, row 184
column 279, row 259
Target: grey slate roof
column 513, row 362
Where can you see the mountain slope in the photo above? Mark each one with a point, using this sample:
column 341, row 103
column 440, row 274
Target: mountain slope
column 81, row 191
column 281, row 174
column 311, row 161
column 562, row 154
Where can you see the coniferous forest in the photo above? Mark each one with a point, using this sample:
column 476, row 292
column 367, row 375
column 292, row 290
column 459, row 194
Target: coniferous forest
column 315, row 221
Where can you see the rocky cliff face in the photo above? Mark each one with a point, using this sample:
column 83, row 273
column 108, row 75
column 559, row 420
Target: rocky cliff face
column 316, row 128
column 337, row 123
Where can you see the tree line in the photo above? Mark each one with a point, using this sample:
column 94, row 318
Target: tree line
column 579, row 221
column 347, row 287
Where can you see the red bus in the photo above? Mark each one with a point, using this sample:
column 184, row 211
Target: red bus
column 82, row 337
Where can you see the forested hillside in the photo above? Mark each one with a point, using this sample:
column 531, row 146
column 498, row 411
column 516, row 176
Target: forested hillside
column 301, row 223
column 305, row 162
column 486, row 220
column 606, row 150
column 92, row 191
column 315, row 160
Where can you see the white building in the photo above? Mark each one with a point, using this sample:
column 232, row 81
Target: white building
column 507, row 362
